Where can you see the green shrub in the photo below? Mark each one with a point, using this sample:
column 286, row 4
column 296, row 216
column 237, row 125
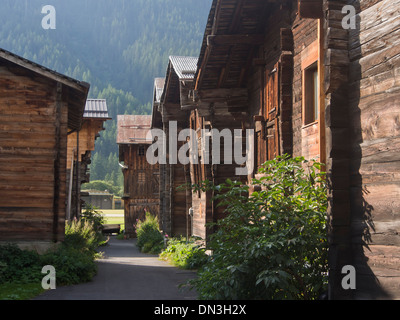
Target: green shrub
column 149, row 236
column 273, row 243
column 81, row 235
column 184, row 254
column 90, row 214
column 74, row 259
column 21, row 266
column 72, row 265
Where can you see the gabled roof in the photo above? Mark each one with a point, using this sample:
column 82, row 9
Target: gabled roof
column 185, row 67
column 158, row 89
column 156, row 121
column 75, row 91
column 133, row 129
column 180, row 69
column 97, row 109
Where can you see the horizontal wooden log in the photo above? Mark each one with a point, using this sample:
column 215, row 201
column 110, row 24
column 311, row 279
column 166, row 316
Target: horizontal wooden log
column 250, row 39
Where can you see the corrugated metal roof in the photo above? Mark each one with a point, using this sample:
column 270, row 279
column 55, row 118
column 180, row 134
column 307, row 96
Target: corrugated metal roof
column 185, row 67
column 96, row 108
column 133, row 129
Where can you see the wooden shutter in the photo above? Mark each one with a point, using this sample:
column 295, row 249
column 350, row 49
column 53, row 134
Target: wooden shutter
column 272, row 100
column 272, row 92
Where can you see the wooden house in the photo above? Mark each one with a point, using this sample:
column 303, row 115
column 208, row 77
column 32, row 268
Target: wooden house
column 38, row 109
column 100, row 199
column 171, row 115
column 310, row 87
column 82, row 143
column 141, row 179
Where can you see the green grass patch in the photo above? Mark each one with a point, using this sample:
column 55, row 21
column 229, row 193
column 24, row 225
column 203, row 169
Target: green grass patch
column 20, row 291
column 117, row 211
column 109, row 219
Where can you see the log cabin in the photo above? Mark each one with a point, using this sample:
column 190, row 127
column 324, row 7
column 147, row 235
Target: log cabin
column 38, row 108
column 80, row 146
column 171, row 108
column 141, row 178
column 310, row 87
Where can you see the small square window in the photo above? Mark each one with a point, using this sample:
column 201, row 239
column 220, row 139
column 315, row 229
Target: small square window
column 141, row 151
column 311, row 96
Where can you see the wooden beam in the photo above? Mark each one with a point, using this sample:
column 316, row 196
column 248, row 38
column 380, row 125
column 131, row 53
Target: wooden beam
column 220, row 40
column 310, row 9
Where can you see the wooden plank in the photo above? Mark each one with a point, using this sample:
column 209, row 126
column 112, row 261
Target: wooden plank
column 228, row 40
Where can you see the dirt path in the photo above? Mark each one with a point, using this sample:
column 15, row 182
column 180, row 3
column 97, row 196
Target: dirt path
column 127, row 274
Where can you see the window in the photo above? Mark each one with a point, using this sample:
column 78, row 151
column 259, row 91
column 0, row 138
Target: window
column 311, row 96
column 141, row 151
column 141, row 177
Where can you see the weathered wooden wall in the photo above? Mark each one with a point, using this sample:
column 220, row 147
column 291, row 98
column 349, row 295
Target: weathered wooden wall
column 374, row 111
column 33, row 147
column 141, row 185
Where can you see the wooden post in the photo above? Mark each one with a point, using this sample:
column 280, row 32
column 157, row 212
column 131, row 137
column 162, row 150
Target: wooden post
column 78, row 167
column 321, row 103
column 71, row 180
column 57, row 159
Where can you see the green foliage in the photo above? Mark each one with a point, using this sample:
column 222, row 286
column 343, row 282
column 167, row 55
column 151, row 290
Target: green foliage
column 20, row 266
column 73, row 259
column 81, row 235
column 20, row 291
column 272, row 244
column 149, row 236
column 90, row 214
column 184, row 254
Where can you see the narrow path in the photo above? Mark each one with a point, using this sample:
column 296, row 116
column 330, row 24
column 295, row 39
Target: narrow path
column 127, row 274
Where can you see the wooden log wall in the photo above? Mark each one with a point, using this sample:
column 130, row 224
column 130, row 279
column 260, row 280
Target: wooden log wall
column 141, row 185
column 33, row 146
column 374, row 100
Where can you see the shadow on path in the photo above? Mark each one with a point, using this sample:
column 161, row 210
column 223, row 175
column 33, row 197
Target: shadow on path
column 127, row 274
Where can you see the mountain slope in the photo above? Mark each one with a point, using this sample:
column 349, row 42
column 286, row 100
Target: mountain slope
column 118, row 46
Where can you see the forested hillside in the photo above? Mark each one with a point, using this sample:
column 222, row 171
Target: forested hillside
column 118, row 46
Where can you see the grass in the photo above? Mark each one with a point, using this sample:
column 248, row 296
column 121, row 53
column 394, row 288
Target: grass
column 109, row 219
column 20, row 291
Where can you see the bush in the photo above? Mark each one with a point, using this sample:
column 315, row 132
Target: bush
column 149, row 236
column 184, row 254
column 81, row 235
column 74, row 259
column 95, row 217
column 21, row 266
column 72, row 265
column 272, row 244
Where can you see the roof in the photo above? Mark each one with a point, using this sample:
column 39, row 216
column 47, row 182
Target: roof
column 76, row 91
column 96, row 108
column 180, row 70
column 235, row 29
column 158, row 89
column 156, row 121
column 133, row 129
column 185, row 67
